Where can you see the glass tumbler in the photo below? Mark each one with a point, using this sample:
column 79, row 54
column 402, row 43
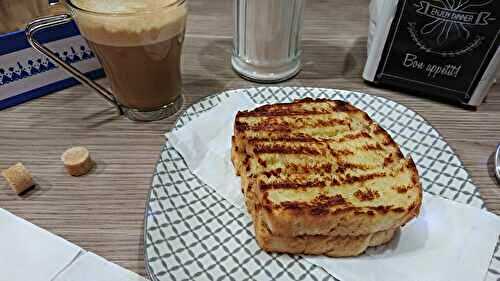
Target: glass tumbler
column 266, row 39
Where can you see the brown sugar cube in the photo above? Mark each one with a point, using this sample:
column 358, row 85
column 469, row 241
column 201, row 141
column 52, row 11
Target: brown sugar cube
column 77, row 161
column 18, row 177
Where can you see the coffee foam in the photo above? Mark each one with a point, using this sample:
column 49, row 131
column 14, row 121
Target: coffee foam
column 130, row 22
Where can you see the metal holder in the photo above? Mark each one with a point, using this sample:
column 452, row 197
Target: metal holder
column 497, row 163
column 46, row 22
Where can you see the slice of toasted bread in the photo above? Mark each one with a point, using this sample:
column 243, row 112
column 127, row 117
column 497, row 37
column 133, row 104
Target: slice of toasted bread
column 333, row 246
column 322, row 167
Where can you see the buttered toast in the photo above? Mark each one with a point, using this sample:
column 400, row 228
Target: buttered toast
column 322, row 167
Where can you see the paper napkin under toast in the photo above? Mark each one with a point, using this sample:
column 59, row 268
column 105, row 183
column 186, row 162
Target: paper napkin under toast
column 447, row 242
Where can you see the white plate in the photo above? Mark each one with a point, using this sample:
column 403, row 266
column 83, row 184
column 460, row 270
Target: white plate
column 192, row 233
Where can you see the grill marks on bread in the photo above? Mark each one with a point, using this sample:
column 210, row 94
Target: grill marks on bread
column 320, row 155
column 366, row 195
column 299, row 107
column 318, row 206
column 328, row 150
column 285, row 149
column 289, row 123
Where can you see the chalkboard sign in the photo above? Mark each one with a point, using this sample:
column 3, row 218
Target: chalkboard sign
column 440, row 47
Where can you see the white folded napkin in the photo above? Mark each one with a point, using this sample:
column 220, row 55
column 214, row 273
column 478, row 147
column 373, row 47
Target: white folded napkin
column 448, row 241
column 28, row 252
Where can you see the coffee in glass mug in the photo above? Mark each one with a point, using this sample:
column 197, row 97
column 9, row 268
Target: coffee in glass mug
column 139, row 44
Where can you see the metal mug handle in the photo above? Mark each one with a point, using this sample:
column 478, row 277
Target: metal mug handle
column 497, row 163
column 46, row 22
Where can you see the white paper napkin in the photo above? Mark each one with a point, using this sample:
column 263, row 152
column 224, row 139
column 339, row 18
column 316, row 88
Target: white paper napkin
column 89, row 266
column 448, row 241
column 28, row 252
column 205, row 144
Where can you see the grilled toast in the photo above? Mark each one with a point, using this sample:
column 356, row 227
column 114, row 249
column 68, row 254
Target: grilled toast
column 323, row 167
column 333, row 246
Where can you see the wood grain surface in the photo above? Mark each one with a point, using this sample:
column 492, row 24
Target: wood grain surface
column 103, row 211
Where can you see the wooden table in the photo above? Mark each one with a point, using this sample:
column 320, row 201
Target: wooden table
column 103, row 211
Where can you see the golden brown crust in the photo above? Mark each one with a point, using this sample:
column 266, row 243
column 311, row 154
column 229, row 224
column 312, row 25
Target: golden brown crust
column 297, row 108
column 347, row 221
column 333, row 246
column 356, row 178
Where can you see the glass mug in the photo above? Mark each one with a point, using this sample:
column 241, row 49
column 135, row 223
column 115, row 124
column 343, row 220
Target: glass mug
column 139, row 45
